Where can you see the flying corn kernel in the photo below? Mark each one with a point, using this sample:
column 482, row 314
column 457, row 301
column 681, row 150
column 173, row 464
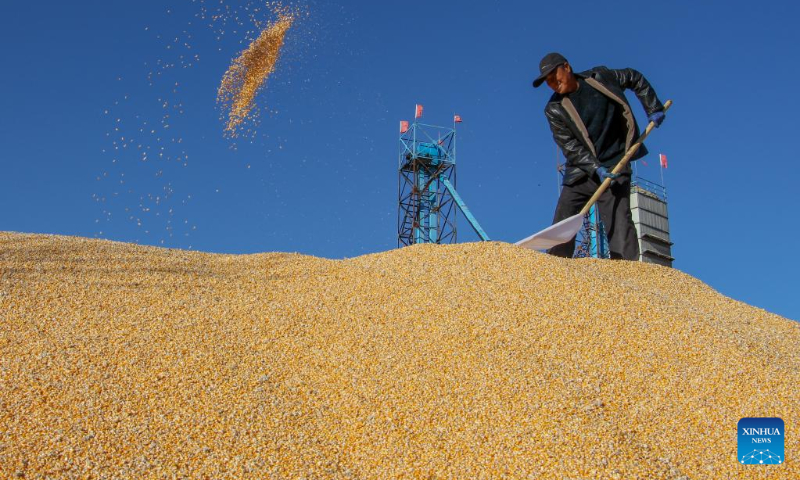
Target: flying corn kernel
column 248, row 73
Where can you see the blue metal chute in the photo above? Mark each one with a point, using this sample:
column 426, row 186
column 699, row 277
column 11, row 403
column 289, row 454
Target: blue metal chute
column 467, row 213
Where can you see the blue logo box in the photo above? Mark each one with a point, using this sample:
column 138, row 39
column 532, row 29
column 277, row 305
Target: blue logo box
column 761, row 441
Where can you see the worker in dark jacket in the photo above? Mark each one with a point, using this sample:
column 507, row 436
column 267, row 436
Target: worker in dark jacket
column 594, row 126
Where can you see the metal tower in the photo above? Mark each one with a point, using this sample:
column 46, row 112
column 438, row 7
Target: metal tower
column 592, row 241
column 649, row 211
column 428, row 201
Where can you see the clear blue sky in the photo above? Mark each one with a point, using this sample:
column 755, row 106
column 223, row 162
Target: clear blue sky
column 320, row 175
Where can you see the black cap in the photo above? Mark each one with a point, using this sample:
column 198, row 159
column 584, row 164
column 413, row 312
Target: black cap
column 550, row 62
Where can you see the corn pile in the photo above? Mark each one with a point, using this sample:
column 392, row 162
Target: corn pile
column 470, row 361
column 249, row 72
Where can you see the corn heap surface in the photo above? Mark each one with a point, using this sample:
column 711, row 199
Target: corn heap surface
column 467, row 361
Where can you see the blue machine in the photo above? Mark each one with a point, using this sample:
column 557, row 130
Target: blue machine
column 430, row 151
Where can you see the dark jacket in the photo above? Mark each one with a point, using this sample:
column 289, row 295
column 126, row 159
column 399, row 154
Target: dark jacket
column 570, row 133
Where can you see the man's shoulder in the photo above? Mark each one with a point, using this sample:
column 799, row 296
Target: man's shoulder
column 555, row 98
column 594, row 72
column 553, row 105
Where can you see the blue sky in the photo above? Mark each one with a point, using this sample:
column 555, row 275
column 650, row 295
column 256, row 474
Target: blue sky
column 319, row 176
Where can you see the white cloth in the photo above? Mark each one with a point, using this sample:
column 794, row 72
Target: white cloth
column 553, row 235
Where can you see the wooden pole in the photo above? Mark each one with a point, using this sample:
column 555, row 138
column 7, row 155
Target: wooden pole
column 621, row 165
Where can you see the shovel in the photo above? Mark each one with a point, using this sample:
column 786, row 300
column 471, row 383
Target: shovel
column 564, row 230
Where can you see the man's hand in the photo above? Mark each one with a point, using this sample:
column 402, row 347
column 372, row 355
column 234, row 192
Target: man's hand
column 603, row 173
column 657, row 118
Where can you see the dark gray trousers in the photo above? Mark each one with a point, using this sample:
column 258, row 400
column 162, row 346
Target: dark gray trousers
column 615, row 212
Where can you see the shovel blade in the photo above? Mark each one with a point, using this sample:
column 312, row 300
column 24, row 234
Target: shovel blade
column 553, row 235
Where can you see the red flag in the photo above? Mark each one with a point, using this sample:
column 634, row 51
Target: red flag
column 663, row 159
column 457, row 119
column 418, row 111
column 403, row 126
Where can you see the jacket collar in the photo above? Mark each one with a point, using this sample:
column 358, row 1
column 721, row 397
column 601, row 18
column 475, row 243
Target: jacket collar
column 557, row 97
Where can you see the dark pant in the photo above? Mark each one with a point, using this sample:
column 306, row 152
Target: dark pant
column 615, row 212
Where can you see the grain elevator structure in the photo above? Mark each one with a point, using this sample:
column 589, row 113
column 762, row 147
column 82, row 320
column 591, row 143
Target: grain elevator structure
column 649, row 211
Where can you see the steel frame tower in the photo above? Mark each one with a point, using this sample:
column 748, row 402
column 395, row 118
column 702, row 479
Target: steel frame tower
column 428, row 201
column 592, row 240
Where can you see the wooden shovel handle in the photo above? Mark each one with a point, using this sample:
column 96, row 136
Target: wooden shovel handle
column 607, row 182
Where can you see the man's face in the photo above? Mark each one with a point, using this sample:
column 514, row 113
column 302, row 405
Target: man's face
column 561, row 80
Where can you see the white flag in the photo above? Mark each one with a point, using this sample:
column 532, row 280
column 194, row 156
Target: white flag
column 553, row 235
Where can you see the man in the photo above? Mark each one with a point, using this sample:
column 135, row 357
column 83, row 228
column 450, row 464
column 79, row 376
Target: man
column 594, row 126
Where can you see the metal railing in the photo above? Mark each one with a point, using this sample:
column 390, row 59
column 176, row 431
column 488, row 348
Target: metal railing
column 656, row 189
